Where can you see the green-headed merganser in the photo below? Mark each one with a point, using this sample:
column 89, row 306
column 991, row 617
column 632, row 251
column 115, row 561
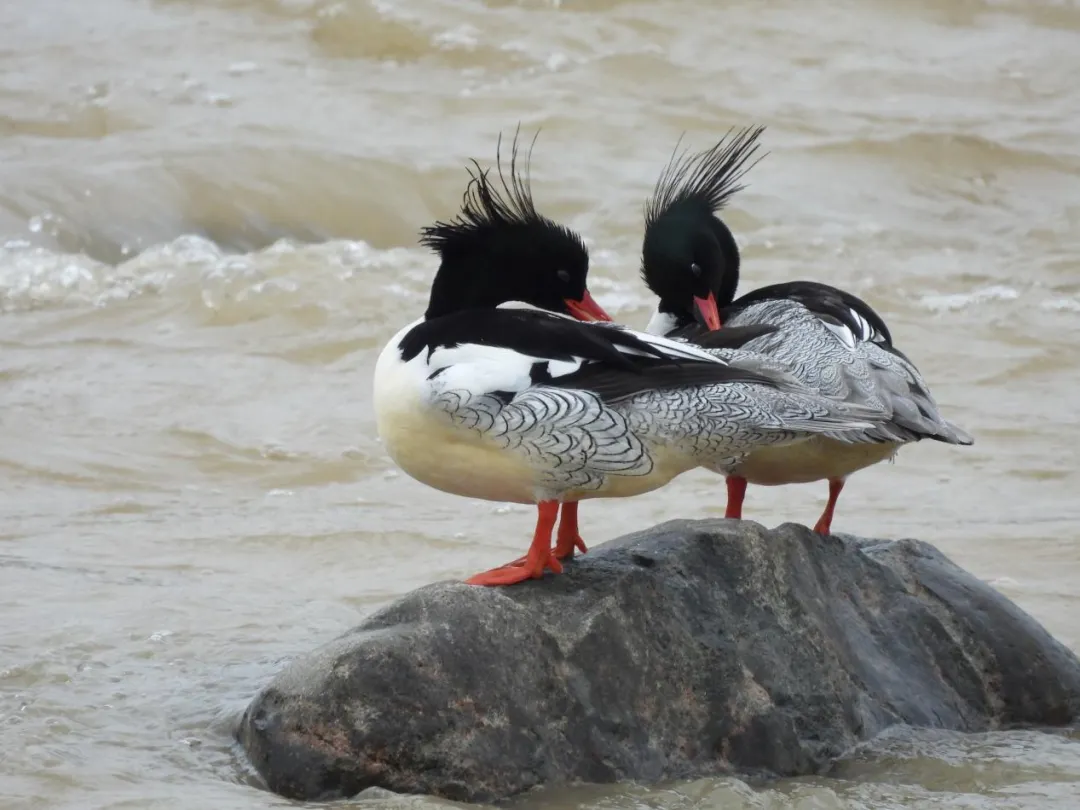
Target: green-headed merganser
column 832, row 341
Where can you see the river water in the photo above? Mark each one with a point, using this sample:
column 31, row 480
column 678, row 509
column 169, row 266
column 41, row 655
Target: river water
column 208, row 215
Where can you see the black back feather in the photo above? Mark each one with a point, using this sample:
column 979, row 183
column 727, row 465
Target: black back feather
column 730, row 337
column 533, row 333
column 608, row 371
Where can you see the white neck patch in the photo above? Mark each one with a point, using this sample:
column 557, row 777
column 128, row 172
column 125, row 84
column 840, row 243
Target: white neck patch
column 661, row 323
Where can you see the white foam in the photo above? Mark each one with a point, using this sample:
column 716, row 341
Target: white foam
column 957, row 301
column 34, row 277
column 1061, row 305
column 462, row 36
column 243, row 68
column 556, row 61
column 615, row 295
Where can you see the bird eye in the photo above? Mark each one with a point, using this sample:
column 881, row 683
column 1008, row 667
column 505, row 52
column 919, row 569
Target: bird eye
column 564, row 276
column 696, row 270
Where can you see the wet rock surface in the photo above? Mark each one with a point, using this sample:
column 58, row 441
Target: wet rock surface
column 688, row 649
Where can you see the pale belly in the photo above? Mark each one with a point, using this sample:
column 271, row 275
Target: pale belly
column 461, row 462
column 666, row 466
column 455, row 460
column 816, row 459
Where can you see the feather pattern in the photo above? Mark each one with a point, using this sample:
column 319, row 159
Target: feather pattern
column 570, row 438
column 852, row 359
column 718, row 426
column 581, row 403
column 837, row 345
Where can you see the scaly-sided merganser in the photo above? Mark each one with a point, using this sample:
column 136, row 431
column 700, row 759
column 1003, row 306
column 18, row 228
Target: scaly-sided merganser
column 829, row 339
column 513, row 403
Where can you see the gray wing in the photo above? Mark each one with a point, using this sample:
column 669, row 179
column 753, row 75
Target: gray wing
column 569, row 437
column 718, row 425
column 573, row 439
column 855, row 368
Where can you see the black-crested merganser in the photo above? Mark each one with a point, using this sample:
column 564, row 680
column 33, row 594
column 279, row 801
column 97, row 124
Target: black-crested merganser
column 490, row 396
column 831, row 340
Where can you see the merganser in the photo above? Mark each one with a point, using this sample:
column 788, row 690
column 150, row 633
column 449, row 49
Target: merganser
column 490, row 396
column 831, row 340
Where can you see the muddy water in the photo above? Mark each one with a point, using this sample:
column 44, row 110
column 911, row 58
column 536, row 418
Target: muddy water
column 208, row 213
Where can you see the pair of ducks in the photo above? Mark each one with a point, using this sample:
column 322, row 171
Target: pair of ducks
column 516, row 385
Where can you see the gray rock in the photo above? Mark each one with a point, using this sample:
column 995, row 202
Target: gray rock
column 693, row 648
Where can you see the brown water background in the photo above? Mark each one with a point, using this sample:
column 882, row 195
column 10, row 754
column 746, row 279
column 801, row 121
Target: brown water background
column 208, row 219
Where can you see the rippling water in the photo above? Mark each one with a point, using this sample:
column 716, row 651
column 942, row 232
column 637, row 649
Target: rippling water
column 208, row 214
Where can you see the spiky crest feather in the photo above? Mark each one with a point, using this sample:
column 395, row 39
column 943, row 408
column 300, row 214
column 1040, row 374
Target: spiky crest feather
column 706, row 179
column 487, row 210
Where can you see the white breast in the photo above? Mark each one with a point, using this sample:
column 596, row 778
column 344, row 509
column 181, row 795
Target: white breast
column 441, row 421
column 429, row 447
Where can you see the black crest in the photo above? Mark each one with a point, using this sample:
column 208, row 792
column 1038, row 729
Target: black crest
column 496, row 210
column 687, row 251
column 499, row 248
column 705, row 180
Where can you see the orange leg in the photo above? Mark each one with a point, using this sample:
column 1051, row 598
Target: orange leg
column 824, row 524
column 568, row 536
column 538, row 558
column 736, row 491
